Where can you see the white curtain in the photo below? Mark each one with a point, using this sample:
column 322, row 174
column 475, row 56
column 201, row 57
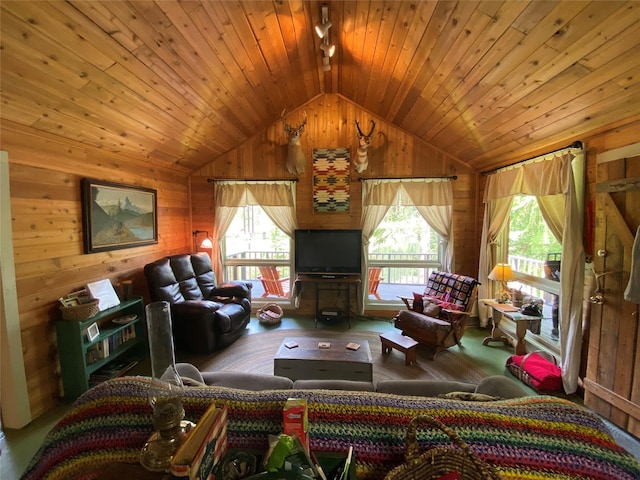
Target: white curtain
column 492, row 249
column 277, row 199
column 551, row 180
column 432, row 197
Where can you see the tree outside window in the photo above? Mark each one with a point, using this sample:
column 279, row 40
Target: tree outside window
column 407, row 249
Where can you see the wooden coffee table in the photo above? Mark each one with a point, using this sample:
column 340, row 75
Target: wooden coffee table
column 309, row 362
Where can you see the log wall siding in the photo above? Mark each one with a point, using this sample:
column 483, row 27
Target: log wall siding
column 45, row 175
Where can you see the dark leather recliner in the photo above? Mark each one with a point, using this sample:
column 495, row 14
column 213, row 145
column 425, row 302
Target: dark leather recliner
column 205, row 316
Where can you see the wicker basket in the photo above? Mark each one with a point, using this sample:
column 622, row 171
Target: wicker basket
column 270, row 314
column 78, row 313
column 440, row 461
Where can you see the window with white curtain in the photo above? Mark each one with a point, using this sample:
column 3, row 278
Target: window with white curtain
column 405, row 249
column 407, row 233
column 253, row 242
column 254, row 224
column 534, row 254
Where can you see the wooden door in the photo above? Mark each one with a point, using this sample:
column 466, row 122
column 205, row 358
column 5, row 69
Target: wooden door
column 612, row 382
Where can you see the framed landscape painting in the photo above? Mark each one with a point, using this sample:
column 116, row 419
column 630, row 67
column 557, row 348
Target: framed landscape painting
column 117, row 216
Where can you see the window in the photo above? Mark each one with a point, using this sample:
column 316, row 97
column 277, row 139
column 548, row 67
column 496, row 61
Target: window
column 532, row 247
column 405, row 249
column 257, row 251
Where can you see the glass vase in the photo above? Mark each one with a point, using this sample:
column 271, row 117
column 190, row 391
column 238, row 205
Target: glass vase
column 165, row 392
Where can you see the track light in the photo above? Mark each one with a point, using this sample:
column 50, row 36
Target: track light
column 328, row 49
column 322, row 28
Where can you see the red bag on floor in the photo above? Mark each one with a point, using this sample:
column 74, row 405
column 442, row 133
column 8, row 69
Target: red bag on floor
column 539, row 370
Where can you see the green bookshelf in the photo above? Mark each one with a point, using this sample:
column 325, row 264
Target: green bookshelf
column 115, row 350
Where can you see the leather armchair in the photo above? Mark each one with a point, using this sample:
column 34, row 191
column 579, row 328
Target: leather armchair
column 205, row 316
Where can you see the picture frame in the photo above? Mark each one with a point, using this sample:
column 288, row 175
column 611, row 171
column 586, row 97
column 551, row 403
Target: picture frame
column 70, row 302
column 116, row 216
column 92, row 332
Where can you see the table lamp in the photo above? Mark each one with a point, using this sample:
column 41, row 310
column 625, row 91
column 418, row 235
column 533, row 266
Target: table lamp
column 502, row 273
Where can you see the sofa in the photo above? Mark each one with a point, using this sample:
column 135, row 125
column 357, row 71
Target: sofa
column 495, row 386
column 438, row 316
column 523, row 437
column 206, row 316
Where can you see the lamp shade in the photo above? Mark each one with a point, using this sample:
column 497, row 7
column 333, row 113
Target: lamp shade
column 206, row 242
column 502, row 272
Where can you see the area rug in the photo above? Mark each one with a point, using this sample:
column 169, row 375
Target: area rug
column 254, row 353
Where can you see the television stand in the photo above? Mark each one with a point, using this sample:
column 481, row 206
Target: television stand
column 335, row 283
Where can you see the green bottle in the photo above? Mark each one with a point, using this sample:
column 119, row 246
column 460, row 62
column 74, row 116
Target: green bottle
column 280, row 452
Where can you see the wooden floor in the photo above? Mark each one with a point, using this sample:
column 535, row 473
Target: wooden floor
column 389, row 292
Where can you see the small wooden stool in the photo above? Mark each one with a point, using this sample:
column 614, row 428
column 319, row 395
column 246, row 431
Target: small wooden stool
column 402, row 343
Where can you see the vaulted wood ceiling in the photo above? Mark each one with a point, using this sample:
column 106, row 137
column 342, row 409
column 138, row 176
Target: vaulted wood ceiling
column 182, row 82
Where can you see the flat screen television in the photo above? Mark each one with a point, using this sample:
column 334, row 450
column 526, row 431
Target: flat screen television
column 328, row 253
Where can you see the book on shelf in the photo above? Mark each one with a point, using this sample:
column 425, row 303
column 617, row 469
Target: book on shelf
column 204, row 446
column 111, row 370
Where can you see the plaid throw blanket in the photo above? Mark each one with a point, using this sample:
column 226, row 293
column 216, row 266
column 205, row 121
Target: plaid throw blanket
column 531, row 438
column 450, row 287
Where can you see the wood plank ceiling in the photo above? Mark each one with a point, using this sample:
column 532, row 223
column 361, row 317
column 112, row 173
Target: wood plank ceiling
column 183, row 82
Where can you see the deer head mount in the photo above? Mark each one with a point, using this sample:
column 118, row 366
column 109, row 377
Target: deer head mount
column 296, row 161
column 362, row 161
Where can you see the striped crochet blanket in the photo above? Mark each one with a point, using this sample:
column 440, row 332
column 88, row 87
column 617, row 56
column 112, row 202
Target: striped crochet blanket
column 528, row 438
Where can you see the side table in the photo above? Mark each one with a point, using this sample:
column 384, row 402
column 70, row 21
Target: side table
column 513, row 313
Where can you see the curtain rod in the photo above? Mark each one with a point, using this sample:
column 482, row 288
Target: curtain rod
column 576, row 144
column 445, row 177
column 212, row 180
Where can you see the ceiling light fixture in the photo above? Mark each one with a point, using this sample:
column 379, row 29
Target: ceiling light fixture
column 328, row 50
column 323, row 26
column 322, row 29
column 326, row 66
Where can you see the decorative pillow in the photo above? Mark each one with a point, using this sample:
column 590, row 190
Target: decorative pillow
column 449, row 305
column 417, row 302
column 469, row 396
column 431, row 309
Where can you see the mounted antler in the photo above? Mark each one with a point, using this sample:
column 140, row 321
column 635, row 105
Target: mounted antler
column 296, row 161
column 362, row 162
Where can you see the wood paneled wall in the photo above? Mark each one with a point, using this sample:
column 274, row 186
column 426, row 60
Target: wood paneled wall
column 393, row 153
column 46, row 211
column 45, row 174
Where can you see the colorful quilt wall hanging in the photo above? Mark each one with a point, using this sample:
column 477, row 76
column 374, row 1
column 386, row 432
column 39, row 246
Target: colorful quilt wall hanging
column 331, row 179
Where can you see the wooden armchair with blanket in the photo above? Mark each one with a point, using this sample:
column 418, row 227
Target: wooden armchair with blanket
column 438, row 316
